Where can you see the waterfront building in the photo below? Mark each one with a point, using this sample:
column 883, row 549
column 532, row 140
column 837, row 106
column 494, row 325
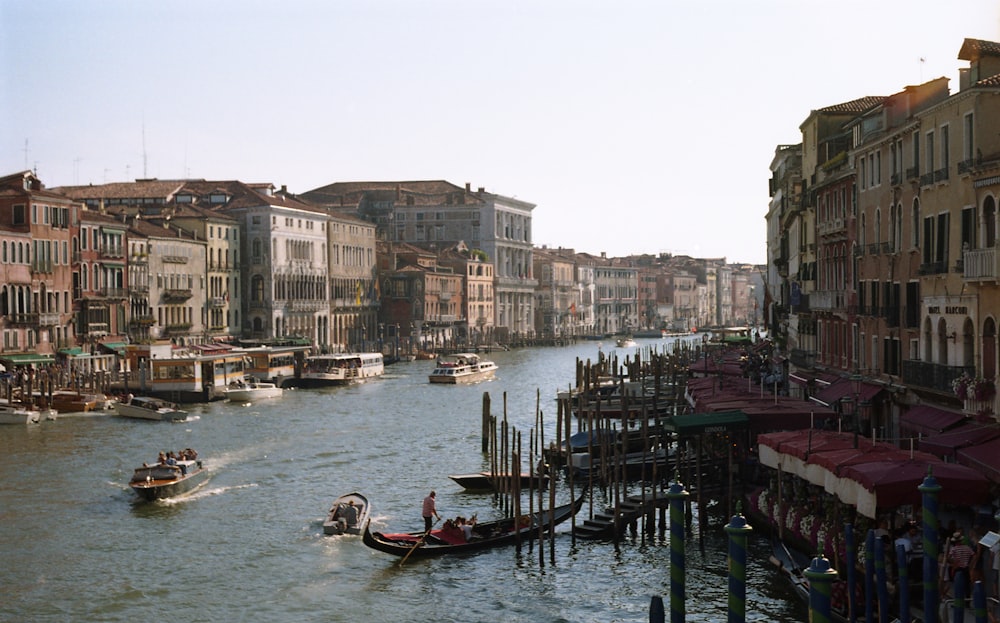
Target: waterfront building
column 35, row 299
column 679, row 293
column 616, row 288
column 478, row 282
column 140, row 312
column 557, row 297
column 955, row 151
column 100, row 281
column 191, row 209
column 786, row 195
column 881, row 328
column 442, row 214
column 423, row 296
column 353, row 282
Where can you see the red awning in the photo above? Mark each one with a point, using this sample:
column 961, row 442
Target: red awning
column 845, row 388
column 928, row 420
column 984, row 457
column 947, row 444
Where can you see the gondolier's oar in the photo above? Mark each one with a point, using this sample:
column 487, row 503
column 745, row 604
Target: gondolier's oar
column 419, row 542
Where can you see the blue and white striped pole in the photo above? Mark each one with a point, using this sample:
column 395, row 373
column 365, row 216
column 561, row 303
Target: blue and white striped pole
column 929, row 491
column 821, row 578
column 738, row 530
column 677, row 495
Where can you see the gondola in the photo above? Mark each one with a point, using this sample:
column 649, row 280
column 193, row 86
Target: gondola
column 451, row 540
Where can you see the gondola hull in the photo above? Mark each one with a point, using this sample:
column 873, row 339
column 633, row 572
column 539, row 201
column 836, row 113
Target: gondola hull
column 486, row 535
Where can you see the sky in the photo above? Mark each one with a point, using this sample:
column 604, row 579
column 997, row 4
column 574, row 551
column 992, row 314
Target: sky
column 632, row 126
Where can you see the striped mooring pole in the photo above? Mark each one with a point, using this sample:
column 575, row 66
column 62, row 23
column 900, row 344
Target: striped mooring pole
column 929, row 491
column 821, row 577
column 738, row 531
column 677, row 495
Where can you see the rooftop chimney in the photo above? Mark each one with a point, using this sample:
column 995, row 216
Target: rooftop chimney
column 468, row 187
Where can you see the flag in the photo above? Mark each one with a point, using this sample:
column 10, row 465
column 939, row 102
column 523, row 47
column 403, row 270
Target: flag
column 358, row 294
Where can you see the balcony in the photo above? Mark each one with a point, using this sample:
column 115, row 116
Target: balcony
column 827, row 300
column 48, row 319
column 926, row 179
column 980, row 264
column 179, row 328
column 896, row 179
column 111, row 251
column 912, row 173
column 966, row 166
column 259, row 305
column 174, row 259
column 216, row 301
column 933, row 268
column 41, row 266
column 299, row 305
column 177, row 295
column 115, row 293
column 142, row 321
column 23, row 319
column 941, row 175
column 933, row 376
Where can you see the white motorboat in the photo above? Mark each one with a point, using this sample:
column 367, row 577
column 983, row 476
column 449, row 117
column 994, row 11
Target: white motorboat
column 462, row 368
column 349, row 514
column 249, row 391
column 16, row 414
column 150, row 408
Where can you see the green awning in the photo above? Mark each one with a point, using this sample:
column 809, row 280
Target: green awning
column 114, row 347
column 25, row 359
column 76, row 350
column 698, row 423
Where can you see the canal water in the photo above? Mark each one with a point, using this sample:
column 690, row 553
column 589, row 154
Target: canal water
column 249, row 546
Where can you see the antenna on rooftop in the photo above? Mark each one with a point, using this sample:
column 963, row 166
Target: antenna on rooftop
column 25, row 153
column 144, row 174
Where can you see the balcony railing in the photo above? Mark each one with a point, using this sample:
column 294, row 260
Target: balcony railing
column 307, row 306
column 980, row 264
column 175, row 259
column 912, row 173
column 142, row 321
column 940, row 175
column 933, row 268
column 115, row 293
column 177, row 294
column 48, row 319
column 111, row 251
column 216, row 301
column 179, row 328
column 926, row 179
column 933, row 376
column 965, row 166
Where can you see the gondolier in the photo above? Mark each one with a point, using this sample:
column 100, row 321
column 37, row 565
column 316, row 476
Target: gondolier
column 429, row 511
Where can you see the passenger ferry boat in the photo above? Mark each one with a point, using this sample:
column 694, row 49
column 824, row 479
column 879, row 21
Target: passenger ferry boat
column 199, row 373
column 462, row 368
column 340, row 369
column 274, row 364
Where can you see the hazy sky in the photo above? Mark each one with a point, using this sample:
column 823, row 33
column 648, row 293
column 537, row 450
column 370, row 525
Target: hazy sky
column 635, row 127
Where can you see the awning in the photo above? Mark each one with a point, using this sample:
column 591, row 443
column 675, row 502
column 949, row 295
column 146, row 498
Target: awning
column 984, row 457
column 697, row 423
column 71, row 352
column 26, row 359
column 844, row 388
column 928, row 420
column 114, row 347
column 947, row 444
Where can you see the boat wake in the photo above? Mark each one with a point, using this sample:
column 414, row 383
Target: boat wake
column 203, row 493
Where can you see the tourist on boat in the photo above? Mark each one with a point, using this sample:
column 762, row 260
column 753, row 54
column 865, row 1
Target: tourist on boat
column 429, row 511
column 351, row 513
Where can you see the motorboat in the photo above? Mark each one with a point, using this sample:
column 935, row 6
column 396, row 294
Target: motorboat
column 626, row 342
column 17, row 414
column 349, row 514
column 462, row 368
column 169, row 478
column 150, row 408
column 69, row 401
column 251, row 390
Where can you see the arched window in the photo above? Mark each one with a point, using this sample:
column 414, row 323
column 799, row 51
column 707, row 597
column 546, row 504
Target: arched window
column 257, row 288
column 989, row 349
column 990, row 221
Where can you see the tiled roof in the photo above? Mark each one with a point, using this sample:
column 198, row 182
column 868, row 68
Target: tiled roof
column 992, row 81
column 139, row 189
column 427, row 192
column 973, row 49
column 857, row 106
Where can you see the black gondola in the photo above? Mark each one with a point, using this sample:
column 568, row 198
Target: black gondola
column 487, row 534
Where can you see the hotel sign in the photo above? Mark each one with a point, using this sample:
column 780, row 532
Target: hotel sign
column 957, row 310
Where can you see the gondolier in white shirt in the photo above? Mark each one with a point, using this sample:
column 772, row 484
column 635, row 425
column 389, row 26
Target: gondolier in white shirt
column 429, row 511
